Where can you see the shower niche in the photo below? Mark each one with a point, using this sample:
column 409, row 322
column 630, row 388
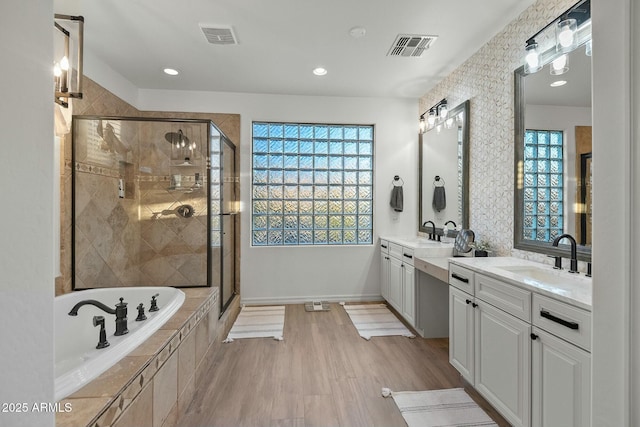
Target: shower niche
column 154, row 204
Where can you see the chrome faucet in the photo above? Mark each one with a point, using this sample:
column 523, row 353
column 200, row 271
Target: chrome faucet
column 120, row 311
column 433, row 228
column 574, row 257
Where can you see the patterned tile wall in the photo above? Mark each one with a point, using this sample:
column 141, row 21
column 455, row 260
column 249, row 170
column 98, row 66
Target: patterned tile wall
column 486, row 79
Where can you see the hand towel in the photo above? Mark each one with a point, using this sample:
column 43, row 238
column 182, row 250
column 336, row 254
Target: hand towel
column 439, row 199
column 397, row 198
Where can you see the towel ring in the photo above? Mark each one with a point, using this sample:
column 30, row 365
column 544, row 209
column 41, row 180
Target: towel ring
column 436, row 180
column 395, row 179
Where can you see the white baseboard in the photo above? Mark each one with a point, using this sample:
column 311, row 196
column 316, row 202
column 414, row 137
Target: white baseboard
column 303, row 299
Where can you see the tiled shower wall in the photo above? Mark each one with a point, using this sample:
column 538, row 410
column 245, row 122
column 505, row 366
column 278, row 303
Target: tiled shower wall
column 486, row 79
column 99, row 101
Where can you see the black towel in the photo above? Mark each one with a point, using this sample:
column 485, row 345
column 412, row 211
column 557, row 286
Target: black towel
column 397, row 198
column 439, row 198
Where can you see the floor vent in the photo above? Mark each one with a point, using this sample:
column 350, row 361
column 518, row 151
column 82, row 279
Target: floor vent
column 219, row 34
column 411, row 45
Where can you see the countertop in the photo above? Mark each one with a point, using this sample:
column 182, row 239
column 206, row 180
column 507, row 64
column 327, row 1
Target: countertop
column 574, row 289
column 421, row 246
column 437, row 267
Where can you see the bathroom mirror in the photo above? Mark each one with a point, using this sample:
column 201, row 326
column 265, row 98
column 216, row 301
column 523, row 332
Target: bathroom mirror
column 553, row 153
column 444, row 163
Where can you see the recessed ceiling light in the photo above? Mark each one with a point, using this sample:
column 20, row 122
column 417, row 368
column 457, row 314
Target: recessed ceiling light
column 357, row 32
column 319, row 71
column 558, row 83
column 171, row 71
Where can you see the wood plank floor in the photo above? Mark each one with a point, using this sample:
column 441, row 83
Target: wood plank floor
column 322, row 374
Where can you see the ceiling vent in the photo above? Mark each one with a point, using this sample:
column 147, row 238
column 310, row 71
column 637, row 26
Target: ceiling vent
column 218, row 34
column 411, row 45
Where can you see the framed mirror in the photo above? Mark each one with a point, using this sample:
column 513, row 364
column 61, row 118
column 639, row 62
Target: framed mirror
column 553, row 151
column 444, row 171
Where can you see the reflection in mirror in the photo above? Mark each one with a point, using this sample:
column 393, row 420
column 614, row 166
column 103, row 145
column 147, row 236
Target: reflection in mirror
column 444, row 171
column 553, row 151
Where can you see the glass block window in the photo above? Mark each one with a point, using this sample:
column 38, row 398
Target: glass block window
column 312, row 184
column 543, row 185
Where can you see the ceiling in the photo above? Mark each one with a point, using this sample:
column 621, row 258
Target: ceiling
column 280, row 42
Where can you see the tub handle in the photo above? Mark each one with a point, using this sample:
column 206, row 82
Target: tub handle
column 99, row 321
column 154, row 303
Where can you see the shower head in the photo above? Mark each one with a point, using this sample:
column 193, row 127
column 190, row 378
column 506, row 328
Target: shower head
column 177, row 138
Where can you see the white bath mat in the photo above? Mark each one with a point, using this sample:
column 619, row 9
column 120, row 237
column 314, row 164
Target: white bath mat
column 258, row 322
column 316, row 306
column 450, row 407
column 375, row 320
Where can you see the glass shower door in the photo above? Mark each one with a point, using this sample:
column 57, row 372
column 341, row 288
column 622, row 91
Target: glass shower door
column 229, row 218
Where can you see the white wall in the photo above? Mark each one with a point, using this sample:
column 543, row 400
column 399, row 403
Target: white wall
column 297, row 274
column 565, row 119
column 26, row 220
column 612, row 200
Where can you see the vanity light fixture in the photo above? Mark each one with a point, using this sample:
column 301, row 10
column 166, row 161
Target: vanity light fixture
column 437, row 115
column 560, row 65
column 566, row 35
column 66, row 86
column 532, row 57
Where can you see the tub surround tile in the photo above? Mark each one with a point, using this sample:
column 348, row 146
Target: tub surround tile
column 83, row 411
column 140, row 412
column 165, row 390
column 158, row 340
column 111, row 382
column 186, row 362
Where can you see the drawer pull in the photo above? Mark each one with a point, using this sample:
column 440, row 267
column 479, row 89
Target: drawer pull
column 462, row 279
column 408, row 256
column 570, row 325
column 384, row 246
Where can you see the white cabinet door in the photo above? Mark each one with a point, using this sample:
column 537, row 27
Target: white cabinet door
column 395, row 283
column 461, row 332
column 409, row 293
column 503, row 362
column 561, row 376
column 384, row 275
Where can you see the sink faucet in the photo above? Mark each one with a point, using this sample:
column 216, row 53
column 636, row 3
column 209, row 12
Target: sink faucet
column 451, row 222
column 574, row 257
column 433, row 228
column 120, row 312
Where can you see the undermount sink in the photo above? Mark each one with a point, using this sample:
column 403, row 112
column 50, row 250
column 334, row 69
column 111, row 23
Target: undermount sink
column 536, row 274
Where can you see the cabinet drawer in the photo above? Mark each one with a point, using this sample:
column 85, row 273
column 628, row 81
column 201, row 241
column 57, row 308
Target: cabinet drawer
column 407, row 255
column 504, row 296
column 461, row 278
column 395, row 250
column 563, row 320
column 384, row 246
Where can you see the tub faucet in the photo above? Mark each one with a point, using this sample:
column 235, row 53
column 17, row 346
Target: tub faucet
column 433, row 228
column 120, row 311
column 574, row 257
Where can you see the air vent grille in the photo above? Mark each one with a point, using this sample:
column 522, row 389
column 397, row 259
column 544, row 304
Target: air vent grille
column 219, row 35
column 411, row 45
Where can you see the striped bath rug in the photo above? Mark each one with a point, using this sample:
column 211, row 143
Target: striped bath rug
column 450, row 407
column 375, row 320
column 258, row 322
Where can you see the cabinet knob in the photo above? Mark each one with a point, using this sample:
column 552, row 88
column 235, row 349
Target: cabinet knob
column 468, row 301
column 533, row 336
column 474, row 305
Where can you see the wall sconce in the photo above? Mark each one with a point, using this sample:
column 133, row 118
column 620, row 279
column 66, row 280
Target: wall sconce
column 568, row 31
column 437, row 116
column 68, row 53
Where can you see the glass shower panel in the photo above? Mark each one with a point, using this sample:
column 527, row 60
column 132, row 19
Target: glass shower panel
column 229, row 218
column 140, row 213
column 215, row 208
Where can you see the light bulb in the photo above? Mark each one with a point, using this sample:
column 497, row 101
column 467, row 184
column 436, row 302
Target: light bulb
column 443, row 111
column 423, row 125
column 64, row 63
column 565, row 35
column 560, row 65
column 57, row 71
column 449, row 123
column 432, row 118
column 532, row 60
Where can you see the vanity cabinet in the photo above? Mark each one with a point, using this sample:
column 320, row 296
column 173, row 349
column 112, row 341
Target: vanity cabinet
column 488, row 345
column 527, row 354
column 397, row 279
column 561, row 364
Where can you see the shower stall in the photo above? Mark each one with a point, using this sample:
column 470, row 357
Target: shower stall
column 154, row 204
